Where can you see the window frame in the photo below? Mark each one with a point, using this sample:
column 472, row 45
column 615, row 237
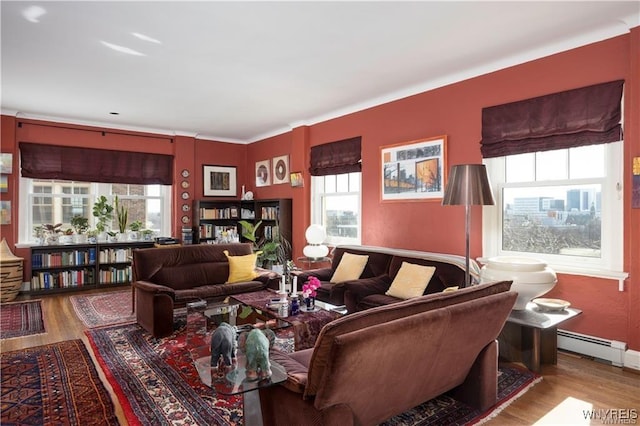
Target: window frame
column 318, row 195
column 610, row 264
column 25, row 234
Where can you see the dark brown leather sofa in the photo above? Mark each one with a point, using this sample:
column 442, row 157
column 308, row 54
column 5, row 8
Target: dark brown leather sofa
column 371, row 365
column 167, row 278
column 381, row 268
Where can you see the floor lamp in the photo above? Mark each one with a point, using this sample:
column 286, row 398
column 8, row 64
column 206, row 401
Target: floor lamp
column 468, row 185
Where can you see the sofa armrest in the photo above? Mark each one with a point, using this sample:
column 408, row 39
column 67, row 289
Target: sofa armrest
column 150, row 287
column 269, row 278
column 297, row 373
column 323, row 274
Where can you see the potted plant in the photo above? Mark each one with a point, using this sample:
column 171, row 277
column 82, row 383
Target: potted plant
column 122, row 215
column 52, row 233
column 135, row 228
column 81, row 225
column 66, row 236
column 249, row 232
column 103, row 211
column 147, row 234
column 39, row 232
column 113, row 236
column 92, row 236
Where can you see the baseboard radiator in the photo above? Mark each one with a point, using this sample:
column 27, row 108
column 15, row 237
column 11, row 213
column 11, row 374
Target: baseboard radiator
column 608, row 350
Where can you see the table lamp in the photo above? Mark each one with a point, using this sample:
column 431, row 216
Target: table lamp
column 315, row 235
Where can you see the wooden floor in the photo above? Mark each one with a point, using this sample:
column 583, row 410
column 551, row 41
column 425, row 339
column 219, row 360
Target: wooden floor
column 568, row 391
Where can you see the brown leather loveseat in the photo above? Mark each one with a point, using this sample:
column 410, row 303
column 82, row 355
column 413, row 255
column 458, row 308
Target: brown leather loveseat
column 371, row 365
column 167, row 278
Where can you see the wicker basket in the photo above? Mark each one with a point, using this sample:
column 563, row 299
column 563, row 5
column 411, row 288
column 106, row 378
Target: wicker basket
column 10, row 273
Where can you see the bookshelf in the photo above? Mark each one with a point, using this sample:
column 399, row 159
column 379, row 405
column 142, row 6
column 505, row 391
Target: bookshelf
column 75, row 267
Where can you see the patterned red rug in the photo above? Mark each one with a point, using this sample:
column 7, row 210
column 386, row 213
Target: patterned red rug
column 156, row 383
column 108, row 308
column 53, row 384
column 20, row 319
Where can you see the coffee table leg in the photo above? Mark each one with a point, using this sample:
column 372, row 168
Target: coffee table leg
column 535, row 350
column 251, row 411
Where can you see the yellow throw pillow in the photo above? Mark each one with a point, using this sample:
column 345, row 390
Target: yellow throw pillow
column 410, row 281
column 350, row 268
column 242, row 268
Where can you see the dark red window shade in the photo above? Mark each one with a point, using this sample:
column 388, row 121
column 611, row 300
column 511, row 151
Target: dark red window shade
column 586, row 116
column 336, row 157
column 94, row 165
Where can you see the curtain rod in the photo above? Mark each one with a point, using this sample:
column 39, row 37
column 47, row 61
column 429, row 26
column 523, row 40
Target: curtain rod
column 103, row 132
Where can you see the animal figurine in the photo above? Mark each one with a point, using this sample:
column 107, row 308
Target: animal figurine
column 223, row 344
column 255, row 344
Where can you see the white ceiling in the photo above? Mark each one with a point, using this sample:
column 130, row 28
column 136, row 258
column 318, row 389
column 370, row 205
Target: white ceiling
column 242, row 71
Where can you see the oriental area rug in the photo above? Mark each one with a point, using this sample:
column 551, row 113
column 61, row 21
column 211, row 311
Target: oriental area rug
column 21, row 319
column 156, row 383
column 108, row 308
column 53, row 384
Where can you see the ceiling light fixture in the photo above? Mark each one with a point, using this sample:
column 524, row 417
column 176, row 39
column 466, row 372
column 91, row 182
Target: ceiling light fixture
column 33, row 13
column 122, row 49
column 146, row 38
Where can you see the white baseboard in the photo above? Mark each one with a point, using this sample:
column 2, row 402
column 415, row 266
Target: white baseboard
column 632, row 359
column 613, row 351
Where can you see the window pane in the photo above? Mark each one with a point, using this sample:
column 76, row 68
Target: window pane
column 587, row 161
column 520, row 168
column 342, row 183
column 330, row 183
column 552, row 165
column 341, row 215
column 553, row 220
column 354, row 182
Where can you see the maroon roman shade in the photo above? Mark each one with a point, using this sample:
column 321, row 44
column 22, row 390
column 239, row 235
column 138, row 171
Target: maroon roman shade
column 94, row 165
column 335, row 158
column 586, row 116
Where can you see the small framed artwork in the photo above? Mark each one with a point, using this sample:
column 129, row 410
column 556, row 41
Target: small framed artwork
column 6, row 163
column 635, row 183
column 414, row 171
column 280, row 169
column 297, row 180
column 5, row 212
column 219, row 181
column 263, row 173
column 233, row 212
column 4, row 183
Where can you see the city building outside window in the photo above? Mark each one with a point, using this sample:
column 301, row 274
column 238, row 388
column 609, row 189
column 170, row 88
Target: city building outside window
column 336, row 205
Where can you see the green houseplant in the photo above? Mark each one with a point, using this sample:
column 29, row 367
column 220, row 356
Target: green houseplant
column 81, row 226
column 135, row 228
column 103, row 211
column 122, row 215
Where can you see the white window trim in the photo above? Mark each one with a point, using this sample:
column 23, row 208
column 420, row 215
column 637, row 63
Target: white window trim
column 610, row 265
column 317, row 218
column 25, row 233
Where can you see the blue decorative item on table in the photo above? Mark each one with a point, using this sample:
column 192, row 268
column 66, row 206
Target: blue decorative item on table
column 223, row 344
column 255, row 344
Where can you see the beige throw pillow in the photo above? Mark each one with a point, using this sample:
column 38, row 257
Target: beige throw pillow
column 410, row 281
column 349, row 268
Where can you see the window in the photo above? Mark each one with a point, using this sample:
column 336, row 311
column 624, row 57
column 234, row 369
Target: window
column 335, row 205
column 57, row 201
column 564, row 206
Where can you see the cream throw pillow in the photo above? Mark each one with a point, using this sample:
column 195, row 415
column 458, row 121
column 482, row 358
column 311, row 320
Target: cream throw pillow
column 350, row 268
column 242, row 268
column 410, row 281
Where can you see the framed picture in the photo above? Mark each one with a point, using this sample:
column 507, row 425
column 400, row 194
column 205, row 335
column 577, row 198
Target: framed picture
column 296, row 179
column 263, row 173
column 5, row 212
column 280, row 169
column 6, row 163
column 635, row 183
column 4, row 183
column 219, row 181
column 414, row 171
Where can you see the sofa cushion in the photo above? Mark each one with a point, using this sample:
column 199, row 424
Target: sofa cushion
column 242, row 268
column 377, row 264
column 349, row 268
column 385, row 313
column 410, row 281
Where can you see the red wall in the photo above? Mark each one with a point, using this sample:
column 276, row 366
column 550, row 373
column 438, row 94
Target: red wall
column 455, row 111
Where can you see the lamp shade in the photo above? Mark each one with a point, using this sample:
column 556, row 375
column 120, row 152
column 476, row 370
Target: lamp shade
column 315, row 234
column 468, row 185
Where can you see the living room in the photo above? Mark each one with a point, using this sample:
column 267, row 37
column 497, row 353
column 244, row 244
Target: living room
column 608, row 304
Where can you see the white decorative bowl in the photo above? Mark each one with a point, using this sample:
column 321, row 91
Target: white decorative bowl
column 531, row 277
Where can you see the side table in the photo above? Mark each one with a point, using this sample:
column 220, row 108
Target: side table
column 311, row 261
column 530, row 335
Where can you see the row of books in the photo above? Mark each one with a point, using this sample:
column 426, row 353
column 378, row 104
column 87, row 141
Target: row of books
column 269, row 213
column 64, row 258
column 272, row 232
column 223, row 213
column 115, row 255
column 115, row 275
column 207, row 230
column 61, row 279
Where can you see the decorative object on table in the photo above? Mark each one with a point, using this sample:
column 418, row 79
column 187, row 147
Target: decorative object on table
column 280, row 169
column 255, row 344
column 223, row 344
column 531, row 277
column 309, row 293
column 414, row 170
column 315, row 236
column 297, row 180
column 6, row 163
column 219, row 181
column 295, row 305
column 551, row 305
column 263, row 173
column 635, row 183
column 468, row 186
